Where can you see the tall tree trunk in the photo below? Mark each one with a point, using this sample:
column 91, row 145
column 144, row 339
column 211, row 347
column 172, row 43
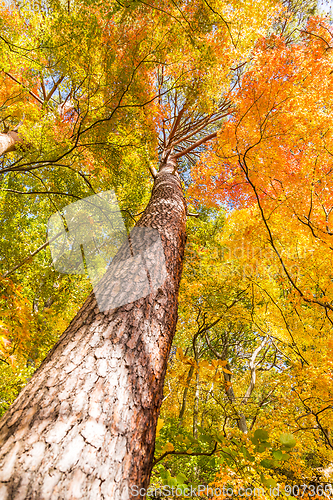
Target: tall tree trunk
column 84, row 426
column 8, row 142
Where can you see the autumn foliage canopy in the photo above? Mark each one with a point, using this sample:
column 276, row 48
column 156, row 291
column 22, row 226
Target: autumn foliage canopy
column 93, row 93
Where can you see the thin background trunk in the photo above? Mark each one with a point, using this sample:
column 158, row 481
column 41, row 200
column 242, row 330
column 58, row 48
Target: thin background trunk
column 241, row 420
column 183, row 408
column 196, row 405
column 84, row 426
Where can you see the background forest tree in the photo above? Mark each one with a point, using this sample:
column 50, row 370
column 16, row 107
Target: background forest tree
column 91, row 97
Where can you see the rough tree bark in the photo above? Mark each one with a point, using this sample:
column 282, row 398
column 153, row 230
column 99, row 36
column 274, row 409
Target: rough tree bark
column 9, row 142
column 84, row 426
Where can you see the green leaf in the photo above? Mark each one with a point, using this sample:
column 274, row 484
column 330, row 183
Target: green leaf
column 182, row 487
column 267, row 463
column 166, row 477
column 262, row 447
column 172, row 481
column 261, row 435
column 164, row 473
column 247, row 454
column 181, row 478
column 179, row 438
column 270, row 483
column 202, row 461
column 220, row 437
column 277, row 454
column 205, row 438
column 288, row 440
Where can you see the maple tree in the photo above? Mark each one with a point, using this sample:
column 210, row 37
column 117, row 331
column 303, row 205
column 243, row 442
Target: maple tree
column 229, row 104
column 273, row 161
column 269, row 377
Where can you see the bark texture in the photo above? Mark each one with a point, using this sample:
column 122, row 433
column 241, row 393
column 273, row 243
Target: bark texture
column 84, row 426
column 8, row 142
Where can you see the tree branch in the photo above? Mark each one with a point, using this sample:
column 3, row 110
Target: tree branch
column 208, row 454
column 54, row 88
column 22, row 84
column 195, row 145
column 27, row 259
column 42, row 192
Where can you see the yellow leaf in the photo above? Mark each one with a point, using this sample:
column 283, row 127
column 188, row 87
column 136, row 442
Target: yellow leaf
column 180, row 354
column 160, row 423
column 190, row 361
column 168, row 447
column 204, row 364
